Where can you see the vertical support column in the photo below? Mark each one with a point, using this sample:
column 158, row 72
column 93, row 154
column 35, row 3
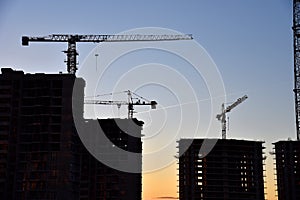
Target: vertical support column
column 72, row 54
column 296, row 29
column 223, row 121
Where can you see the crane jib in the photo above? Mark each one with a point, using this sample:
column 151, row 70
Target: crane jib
column 72, row 54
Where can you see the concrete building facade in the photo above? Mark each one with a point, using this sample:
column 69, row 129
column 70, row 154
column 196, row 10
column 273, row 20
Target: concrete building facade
column 39, row 143
column 41, row 154
column 99, row 181
column 287, row 157
column 231, row 170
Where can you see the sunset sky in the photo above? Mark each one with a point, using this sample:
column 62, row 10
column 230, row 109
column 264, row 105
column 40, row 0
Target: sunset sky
column 249, row 43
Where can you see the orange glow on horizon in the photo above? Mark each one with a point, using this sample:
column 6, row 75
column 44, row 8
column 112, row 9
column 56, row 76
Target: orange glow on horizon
column 163, row 183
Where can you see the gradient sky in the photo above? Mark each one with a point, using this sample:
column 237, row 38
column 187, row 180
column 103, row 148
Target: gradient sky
column 249, row 41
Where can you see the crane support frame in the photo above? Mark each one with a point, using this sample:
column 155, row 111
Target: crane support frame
column 296, row 30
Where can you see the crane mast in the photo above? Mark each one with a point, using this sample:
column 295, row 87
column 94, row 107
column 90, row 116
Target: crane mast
column 72, row 53
column 296, row 30
column 222, row 116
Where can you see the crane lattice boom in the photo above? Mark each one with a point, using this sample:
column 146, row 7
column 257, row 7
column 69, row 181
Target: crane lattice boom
column 73, row 39
column 296, row 29
column 103, row 38
column 222, row 116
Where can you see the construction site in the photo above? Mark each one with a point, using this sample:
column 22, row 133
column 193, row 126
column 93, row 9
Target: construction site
column 43, row 155
column 42, row 152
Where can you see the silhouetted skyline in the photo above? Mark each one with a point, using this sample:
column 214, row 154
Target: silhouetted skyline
column 250, row 42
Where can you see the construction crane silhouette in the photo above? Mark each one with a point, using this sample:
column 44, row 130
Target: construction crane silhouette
column 296, row 30
column 133, row 100
column 72, row 53
column 222, row 116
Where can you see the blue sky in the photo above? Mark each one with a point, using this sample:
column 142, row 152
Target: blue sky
column 249, row 41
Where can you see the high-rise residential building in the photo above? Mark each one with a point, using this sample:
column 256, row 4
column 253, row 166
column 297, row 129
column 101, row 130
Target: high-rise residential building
column 231, row 170
column 38, row 140
column 99, row 181
column 41, row 153
column 287, row 157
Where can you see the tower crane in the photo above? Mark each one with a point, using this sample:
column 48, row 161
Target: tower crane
column 72, row 53
column 135, row 100
column 296, row 29
column 222, row 116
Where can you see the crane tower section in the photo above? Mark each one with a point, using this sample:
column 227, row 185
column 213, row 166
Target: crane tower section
column 296, row 29
column 222, row 116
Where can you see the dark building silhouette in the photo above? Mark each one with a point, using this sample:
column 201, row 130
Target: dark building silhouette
column 39, row 143
column 41, row 154
column 287, row 155
column 101, row 182
column 232, row 170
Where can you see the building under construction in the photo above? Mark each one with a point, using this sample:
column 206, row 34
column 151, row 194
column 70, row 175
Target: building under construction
column 39, row 144
column 99, row 181
column 287, row 154
column 232, row 169
column 41, row 154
